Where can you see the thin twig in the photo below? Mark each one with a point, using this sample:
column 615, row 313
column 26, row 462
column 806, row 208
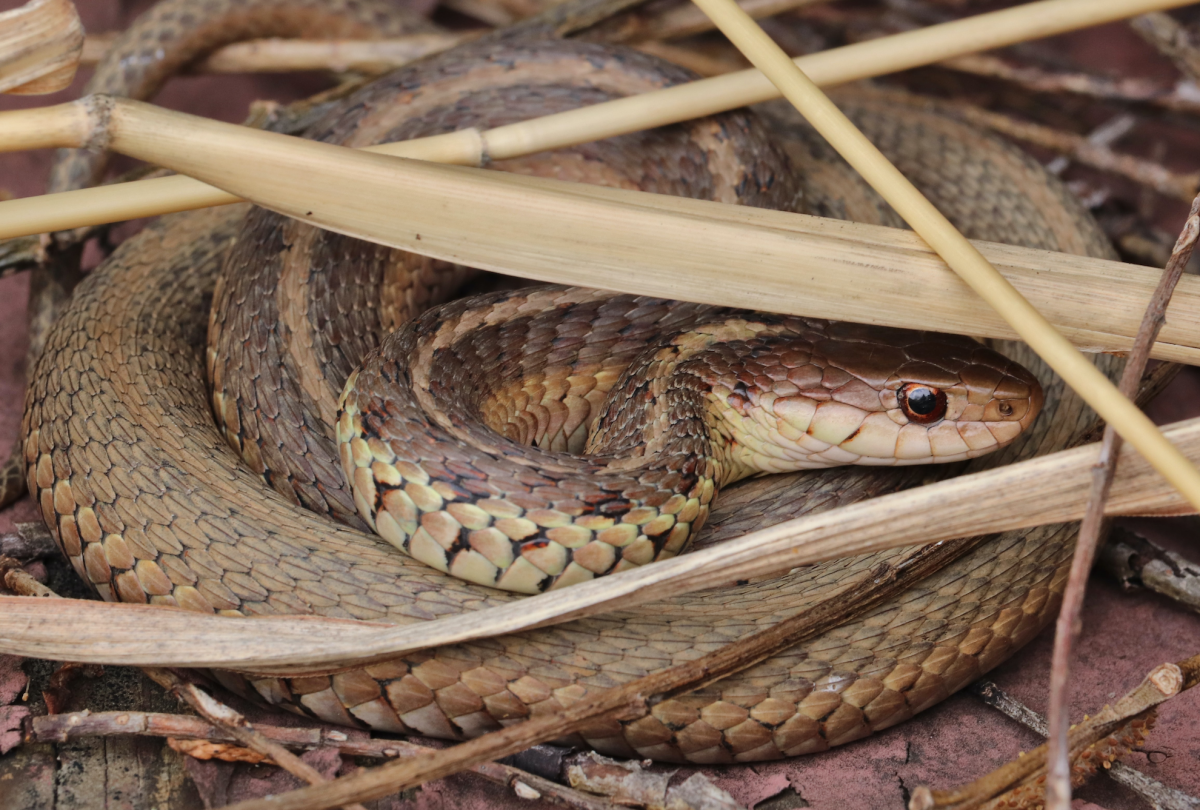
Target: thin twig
column 1182, row 98
column 1171, row 39
column 1153, row 791
column 217, row 713
column 1136, row 562
column 1058, row 785
column 1102, row 136
column 79, row 725
column 1090, row 743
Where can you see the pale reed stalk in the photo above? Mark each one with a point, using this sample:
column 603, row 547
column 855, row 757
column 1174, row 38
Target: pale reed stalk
column 40, row 46
column 633, row 242
column 863, row 60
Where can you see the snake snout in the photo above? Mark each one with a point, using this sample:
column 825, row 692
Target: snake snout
column 993, row 401
column 1015, row 403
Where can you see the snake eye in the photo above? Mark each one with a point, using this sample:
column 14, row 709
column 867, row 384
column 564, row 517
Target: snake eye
column 922, row 404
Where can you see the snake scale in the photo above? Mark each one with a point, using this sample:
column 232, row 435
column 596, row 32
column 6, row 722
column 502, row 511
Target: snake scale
column 146, row 498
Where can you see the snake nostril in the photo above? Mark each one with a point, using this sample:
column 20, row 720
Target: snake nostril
column 1006, row 409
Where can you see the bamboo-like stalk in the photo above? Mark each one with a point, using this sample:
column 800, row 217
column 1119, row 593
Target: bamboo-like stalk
column 631, row 241
column 75, row 209
column 689, row 246
column 963, row 257
column 1048, row 489
column 40, row 45
column 43, row 127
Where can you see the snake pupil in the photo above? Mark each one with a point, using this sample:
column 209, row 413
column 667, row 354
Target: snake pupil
column 922, row 404
column 922, row 401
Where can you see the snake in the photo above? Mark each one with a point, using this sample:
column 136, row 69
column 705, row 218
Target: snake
column 230, row 499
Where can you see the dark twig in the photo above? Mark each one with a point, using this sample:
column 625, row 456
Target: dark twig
column 1034, row 79
column 1058, row 785
column 217, row 713
column 31, row 541
column 1136, row 562
column 1080, row 148
column 1153, row 791
column 1097, row 740
column 77, row 725
column 1171, row 39
column 1102, row 136
column 1089, row 150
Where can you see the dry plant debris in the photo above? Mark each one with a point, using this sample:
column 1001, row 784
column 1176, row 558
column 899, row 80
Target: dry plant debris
column 40, row 46
column 1154, row 792
column 1136, row 562
column 1095, row 742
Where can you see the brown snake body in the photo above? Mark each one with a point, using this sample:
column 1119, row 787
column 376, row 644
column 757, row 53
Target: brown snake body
column 150, row 504
column 167, row 38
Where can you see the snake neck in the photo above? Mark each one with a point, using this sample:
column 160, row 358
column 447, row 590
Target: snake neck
column 737, row 394
column 672, row 406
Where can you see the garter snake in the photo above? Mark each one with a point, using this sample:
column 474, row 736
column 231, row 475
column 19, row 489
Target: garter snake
column 146, row 498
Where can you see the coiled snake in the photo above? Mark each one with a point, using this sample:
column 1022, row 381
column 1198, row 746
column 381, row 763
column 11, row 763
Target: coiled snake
column 148, row 501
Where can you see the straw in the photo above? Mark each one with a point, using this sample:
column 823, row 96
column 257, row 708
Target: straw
column 681, row 103
column 40, row 46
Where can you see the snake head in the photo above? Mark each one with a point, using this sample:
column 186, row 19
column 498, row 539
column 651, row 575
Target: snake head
column 830, row 394
column 956, row 399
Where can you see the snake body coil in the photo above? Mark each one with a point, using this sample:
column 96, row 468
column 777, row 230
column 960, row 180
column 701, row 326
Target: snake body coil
column 146, row 498
column 539, row 439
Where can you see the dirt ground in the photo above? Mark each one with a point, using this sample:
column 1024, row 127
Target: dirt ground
column 1125, row 635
